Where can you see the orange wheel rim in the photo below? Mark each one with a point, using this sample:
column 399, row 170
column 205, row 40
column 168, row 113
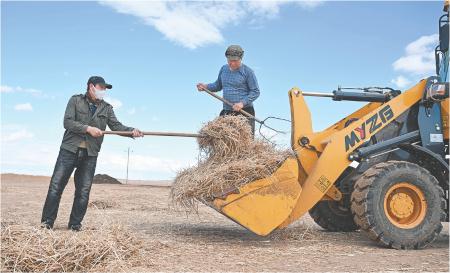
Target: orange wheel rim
column 405, row 205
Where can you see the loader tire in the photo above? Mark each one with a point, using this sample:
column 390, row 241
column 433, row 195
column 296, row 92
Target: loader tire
column 399, row 204
column 336, row 215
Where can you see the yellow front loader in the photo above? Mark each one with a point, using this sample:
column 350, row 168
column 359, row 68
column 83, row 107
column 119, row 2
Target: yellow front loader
column 383, row 169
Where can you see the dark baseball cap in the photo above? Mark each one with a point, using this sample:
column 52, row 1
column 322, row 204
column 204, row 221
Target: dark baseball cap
column 99, row 80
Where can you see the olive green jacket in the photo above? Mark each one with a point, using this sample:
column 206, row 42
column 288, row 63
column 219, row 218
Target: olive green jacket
column 77, row 119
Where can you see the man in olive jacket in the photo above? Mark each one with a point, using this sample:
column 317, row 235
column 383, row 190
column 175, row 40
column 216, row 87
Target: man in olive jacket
column 85, row 120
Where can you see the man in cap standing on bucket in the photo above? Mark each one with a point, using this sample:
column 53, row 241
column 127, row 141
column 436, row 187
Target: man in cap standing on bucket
column 238, row 83
column 85, row 120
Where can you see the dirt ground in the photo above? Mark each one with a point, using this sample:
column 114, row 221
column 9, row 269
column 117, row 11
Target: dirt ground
column 211, row 242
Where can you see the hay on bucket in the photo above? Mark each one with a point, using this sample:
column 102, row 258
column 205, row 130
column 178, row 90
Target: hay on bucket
column 26, row 248
column 230, row 158
column 227, row 136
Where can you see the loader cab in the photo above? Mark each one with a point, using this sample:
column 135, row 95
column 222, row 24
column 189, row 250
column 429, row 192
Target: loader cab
column 442, row 62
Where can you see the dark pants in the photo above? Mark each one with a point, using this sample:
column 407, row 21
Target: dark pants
column 248, row 109
column 65, row 164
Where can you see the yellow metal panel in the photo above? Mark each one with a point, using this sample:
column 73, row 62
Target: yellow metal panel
column 300, row 116
column 264, row 204
column 445, row 117
column 321, row 139
column 301, row 126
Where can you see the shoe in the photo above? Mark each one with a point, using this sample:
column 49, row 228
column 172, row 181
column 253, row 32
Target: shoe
column 47, row 225
column 75, row 227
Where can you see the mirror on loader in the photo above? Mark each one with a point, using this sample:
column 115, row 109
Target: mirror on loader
column 443, row 33
column 441, row 51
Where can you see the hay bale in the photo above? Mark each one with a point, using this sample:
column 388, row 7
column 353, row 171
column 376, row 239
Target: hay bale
column 104, row 179
column 229, row 159
column 26, row 248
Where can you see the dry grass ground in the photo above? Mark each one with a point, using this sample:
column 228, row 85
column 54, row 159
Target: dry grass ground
column 209, row 241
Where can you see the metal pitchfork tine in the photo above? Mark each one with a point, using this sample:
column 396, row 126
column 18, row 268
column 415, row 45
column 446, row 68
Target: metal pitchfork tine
column 245, row 113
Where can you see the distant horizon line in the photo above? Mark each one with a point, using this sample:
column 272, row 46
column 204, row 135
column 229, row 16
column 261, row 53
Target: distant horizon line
column 120, row 179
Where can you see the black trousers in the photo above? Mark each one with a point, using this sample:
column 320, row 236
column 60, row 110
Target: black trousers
column 84, row 174
column 248, row 109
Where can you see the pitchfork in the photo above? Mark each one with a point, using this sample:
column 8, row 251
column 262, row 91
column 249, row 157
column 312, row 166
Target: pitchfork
column 247, row 114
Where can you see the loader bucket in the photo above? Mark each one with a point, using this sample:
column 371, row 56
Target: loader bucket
column 262, row 205
column 266, row 204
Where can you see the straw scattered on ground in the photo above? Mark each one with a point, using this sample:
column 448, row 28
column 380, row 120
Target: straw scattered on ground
column 102, row 204
column 26, row 248
column 229, row 158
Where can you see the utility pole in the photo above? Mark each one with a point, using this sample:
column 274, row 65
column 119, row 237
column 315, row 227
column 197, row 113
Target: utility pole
column 128, row 163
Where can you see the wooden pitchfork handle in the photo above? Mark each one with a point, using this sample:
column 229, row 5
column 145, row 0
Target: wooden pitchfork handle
column 129, row 133
column 245, row 113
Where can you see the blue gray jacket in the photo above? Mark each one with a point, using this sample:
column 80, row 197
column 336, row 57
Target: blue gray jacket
column 238, row 86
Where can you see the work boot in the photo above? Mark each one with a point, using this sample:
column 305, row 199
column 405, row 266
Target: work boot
column 75, row 227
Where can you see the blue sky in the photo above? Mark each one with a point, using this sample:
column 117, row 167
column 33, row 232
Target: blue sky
column 155, row 52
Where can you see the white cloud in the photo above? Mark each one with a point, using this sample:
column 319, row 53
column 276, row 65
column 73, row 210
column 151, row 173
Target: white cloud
column 22, row 152
column 6, row 89
column 191, row 24
column 18, row 89
column 401, row 81
column 16, row 135
column 196, row 24
column 265, row 8
column 114, row 102
column 30, row 155
column 31, row 91
column 417, row 62
column 419, row 56
column 309, row 4
column 23, row 107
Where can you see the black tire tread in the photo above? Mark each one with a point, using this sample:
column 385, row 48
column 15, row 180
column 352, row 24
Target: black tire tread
column 362, row 212
column 328, row 220
column 331, row 224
